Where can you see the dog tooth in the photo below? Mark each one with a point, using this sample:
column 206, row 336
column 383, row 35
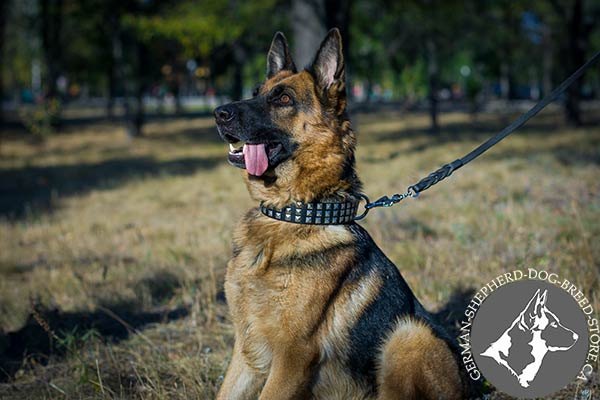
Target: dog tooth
column 231, row 148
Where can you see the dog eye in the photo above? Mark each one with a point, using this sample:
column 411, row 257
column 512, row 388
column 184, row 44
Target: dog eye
column 285, row 99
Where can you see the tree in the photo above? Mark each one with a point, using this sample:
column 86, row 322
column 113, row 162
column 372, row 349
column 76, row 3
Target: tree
column 311, row 20
column 3, row 16
column 51, row 13
column 423, row 30
column 579, row 18
column 217, row 33
column 369, row 54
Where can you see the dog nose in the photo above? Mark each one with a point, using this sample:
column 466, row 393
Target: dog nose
column 224, row 113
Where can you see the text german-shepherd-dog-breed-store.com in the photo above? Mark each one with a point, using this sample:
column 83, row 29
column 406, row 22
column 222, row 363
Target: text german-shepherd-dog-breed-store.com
column 319, row 311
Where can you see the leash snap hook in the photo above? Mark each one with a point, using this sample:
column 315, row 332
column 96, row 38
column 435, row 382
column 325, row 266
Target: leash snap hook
column 412, row 192
column 385, row 201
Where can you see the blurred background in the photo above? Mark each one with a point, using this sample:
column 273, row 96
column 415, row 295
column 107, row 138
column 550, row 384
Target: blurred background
column 134, row 59
column 117, row 203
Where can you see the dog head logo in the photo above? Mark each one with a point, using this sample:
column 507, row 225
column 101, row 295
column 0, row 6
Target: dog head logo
column 538, row 328
column 293, row 136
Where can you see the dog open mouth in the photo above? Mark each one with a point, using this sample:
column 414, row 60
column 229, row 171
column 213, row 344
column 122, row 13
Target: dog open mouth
column 254, row 157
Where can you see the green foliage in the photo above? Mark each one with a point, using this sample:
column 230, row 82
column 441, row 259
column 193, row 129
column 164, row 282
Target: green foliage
column 21, row 49
column 389, row 43
column 41, row 119
column 254, row 69
column 200, row 27
column 412, row 81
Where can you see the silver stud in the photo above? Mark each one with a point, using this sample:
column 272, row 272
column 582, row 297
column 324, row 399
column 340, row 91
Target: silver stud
column 308, row 212
column 309, row 206
column 277, row 214
column 297, row 218
column 288, row 217
column 319, row 213
column 327, row 213
column 309, row 219
column 326, row 220
column 319, row 206
column 335, row 220
column 298, row 211
column 327, row 206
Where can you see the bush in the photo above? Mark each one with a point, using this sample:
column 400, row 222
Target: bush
column 41, row 119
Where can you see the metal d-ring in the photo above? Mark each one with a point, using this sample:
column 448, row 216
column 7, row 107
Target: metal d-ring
column 367, row 208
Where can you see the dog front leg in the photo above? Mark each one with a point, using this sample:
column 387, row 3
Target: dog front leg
column 241, row 382
column 290, row 375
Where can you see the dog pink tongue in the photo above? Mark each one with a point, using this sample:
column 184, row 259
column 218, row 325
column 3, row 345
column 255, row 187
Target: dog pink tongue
column 255, row 157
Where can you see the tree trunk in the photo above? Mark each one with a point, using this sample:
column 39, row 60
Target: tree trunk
column 338, row 16
column 238, row 82
column 112, row 83
column 368, row 92
column 120, row 72
column 239, row 59
column 309, row 26
column 113, row 71
column 51, row 24
column 51, row 14
column 177, row 96
column 137, row 118
column 3, row 19
column 433, row 80
column 311, row 19
column 504, row 81
column 577, row 44
column 534, row 84
column 547, row 62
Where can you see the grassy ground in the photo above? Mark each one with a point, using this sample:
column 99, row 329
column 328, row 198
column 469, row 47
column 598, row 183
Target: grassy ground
column 113, row 253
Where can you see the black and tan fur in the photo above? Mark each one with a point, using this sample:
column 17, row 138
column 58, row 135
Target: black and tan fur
column 319, row 311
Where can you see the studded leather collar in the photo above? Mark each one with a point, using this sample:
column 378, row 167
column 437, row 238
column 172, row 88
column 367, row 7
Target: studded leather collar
column 315, row 213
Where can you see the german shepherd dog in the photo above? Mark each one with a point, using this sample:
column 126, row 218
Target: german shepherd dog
column 319, row 311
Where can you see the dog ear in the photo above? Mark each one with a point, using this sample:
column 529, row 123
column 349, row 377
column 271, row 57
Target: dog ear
column 328, row 72
column 279, row 57
column 328, row 66
column 540, row 303
column 529, row 312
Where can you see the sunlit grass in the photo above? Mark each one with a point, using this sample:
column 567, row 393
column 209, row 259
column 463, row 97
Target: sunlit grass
column 144, row 227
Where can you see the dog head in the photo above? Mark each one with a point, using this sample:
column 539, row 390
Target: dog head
column 537, row 317
column 293, row 137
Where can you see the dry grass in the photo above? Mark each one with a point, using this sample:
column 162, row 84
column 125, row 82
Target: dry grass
column 122, row 246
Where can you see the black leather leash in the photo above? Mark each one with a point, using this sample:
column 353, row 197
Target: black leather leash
column 447, row 169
